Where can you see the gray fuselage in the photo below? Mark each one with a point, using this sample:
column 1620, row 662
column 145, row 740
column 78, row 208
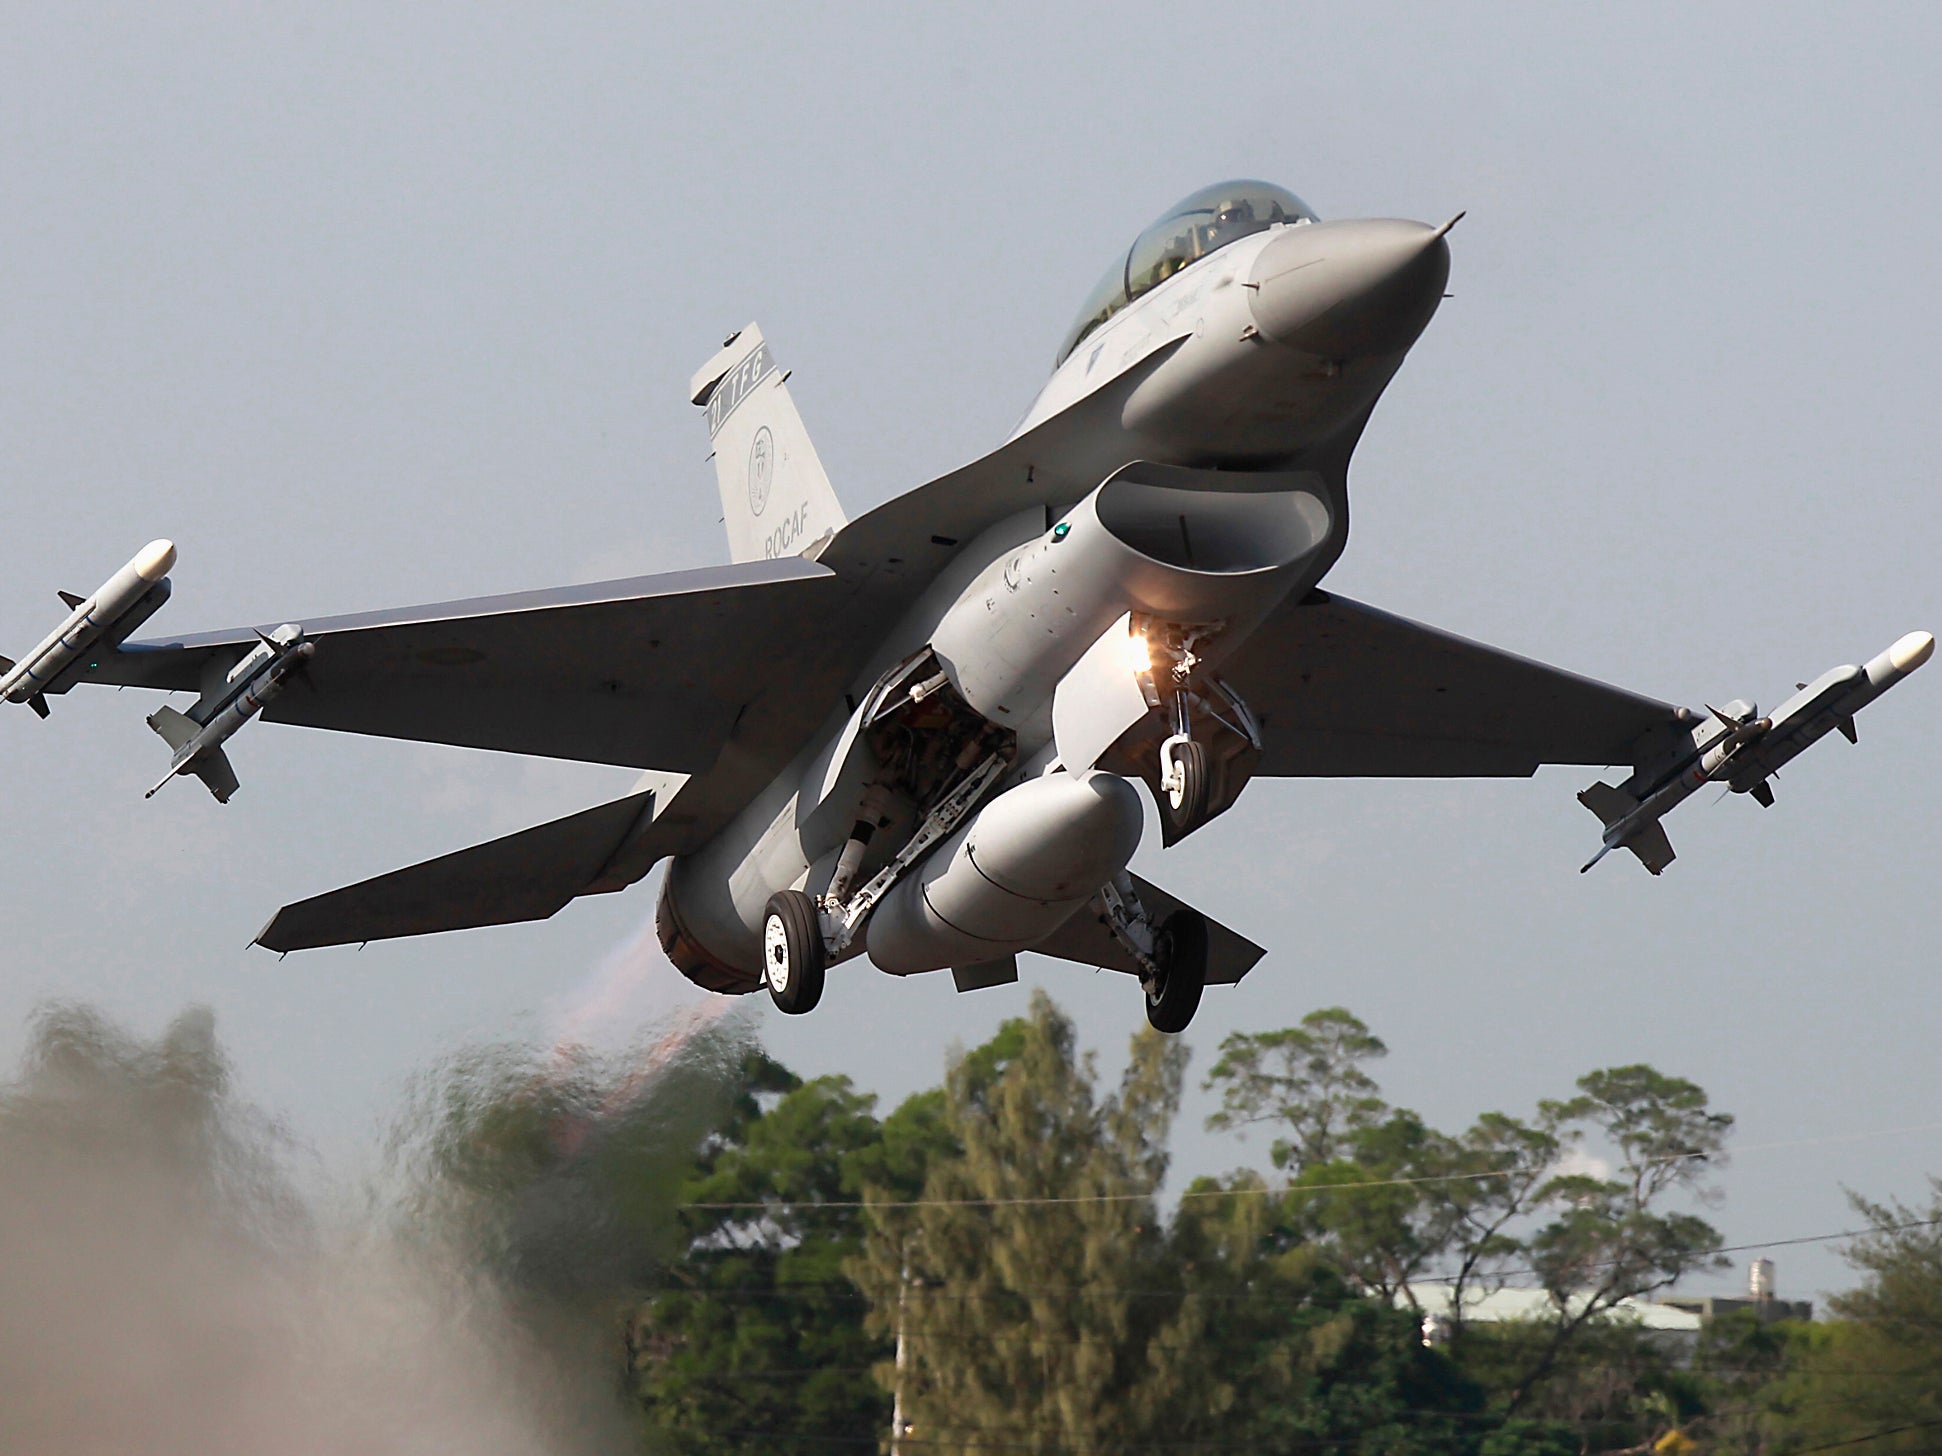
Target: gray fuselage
column 1258, row 363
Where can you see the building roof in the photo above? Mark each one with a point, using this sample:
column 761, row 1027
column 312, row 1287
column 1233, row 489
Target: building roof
column 1535, row 1304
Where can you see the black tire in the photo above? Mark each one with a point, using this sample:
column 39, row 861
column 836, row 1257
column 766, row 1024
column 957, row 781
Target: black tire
column 792, row 952
column 1187, row 806
column 1180, row 946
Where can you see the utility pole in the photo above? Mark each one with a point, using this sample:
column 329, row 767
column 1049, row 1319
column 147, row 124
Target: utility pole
column 897, row 1391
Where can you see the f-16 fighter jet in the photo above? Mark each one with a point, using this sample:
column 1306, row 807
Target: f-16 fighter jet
column 917, row 736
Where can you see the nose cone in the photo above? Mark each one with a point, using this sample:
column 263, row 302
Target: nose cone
column 153, row 561
column 1346, row 290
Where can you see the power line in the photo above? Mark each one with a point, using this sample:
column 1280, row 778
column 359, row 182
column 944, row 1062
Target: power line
column 1871, row 1436
column 823, row 1289
column 776, row 1205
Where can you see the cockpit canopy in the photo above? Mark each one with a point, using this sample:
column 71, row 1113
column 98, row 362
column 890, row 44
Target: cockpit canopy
column 1191, row 229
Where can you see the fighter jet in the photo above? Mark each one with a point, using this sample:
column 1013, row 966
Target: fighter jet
column 918, row 736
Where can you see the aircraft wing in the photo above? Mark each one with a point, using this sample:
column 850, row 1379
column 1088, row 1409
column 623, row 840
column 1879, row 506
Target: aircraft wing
column 650, row 672
column 1344, row 690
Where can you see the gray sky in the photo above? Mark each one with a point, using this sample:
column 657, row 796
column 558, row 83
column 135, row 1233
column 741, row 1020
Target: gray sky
column 368, row 305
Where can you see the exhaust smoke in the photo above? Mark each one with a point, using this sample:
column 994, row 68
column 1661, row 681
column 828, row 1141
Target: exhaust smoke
column 166, row 1288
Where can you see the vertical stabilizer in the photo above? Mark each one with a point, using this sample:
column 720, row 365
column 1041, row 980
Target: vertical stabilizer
column 776, row 501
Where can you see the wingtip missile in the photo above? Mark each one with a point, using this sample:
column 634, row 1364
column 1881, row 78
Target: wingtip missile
column 1743, row 752
column 121, row 604
column 1909, row 652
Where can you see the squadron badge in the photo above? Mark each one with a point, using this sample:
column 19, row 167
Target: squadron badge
column 761, row 467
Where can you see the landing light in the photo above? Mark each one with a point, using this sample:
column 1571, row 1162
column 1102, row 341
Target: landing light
column 1139, row 652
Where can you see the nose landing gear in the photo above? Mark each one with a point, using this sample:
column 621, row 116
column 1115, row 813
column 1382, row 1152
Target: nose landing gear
column 1199, row 744
column 1183, row 774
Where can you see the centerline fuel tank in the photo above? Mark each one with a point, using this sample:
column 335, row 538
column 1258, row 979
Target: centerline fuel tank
column 1011, row 876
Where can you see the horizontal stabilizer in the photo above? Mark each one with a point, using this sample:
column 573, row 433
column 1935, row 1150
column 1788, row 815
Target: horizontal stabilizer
column 530, row 875
column 1087, row 940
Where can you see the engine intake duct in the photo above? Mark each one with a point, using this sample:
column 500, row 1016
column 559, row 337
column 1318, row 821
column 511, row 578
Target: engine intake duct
column 1208, row 547
column 1222, row 532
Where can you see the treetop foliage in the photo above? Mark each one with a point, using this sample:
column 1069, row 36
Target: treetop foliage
column 997, row 1264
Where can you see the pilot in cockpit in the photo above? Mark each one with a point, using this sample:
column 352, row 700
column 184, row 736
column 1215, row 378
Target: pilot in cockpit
column 1232, row 220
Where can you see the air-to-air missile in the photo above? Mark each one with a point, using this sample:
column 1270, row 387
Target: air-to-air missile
column 197, row 736
column 1735, row 748
column 95, row 623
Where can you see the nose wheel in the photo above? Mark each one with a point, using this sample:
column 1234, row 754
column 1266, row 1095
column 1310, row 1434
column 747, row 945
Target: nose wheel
column 792, row 952
column 1180, row 953
column 1183, row 765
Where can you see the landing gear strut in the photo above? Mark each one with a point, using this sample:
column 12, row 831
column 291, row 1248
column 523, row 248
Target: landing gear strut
column 1200, row 718
column 792, row 952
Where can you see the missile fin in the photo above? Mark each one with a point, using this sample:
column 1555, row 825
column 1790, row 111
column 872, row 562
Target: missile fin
column 1608, row 803
column 38, row 702
column 71, row 599
column 213, row 768
column 1652, row 847
column 1762, row 794
column 1846, row 725
column 6, row 664
column 176, row 728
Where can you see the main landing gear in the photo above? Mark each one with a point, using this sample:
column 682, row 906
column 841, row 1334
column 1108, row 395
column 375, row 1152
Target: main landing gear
column 1172, row 955
column 792, row 952
column 1173, row 987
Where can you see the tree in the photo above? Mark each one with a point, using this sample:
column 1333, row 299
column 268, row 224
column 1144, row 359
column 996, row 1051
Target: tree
column 1874, row 1374
column 757, row 1335
column 1030, row 1289
column 1291, row 1356
column 1306, row 1079
column 1500, row 1169
column 1396, row 1203
column 1613, row 1238
column 1380, row 1207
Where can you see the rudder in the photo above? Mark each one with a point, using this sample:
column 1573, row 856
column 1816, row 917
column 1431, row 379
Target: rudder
column 776, row 500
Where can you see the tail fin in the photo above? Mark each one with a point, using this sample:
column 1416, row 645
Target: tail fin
column 776, row 500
